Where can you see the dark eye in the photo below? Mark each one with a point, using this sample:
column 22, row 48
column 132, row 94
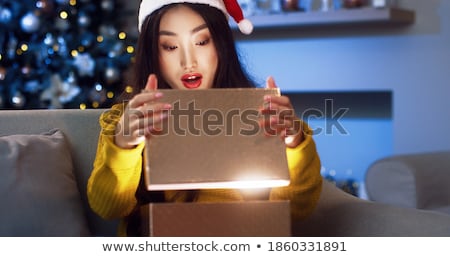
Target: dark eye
column 169, row 47
column 203, row 42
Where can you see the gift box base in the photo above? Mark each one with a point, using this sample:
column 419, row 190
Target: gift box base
column 225, row 219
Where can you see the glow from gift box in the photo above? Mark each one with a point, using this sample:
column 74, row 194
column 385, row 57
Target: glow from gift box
column 243, row 178
column 238, row 184
column 242, row 184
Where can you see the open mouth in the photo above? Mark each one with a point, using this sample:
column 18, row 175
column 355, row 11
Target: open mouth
column 192, row 80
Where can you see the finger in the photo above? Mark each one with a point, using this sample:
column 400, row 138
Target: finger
column 136, row 118
column 276, row 125
column 154, row 109
column 129, row 135
column 273, row 107
column 280, row 111
column 137, row 128
column 270, row 82
column 152, row 82
column 267, row 125
column 157, row 122
column 272, row 100
column 143, row 98
column 142, row 112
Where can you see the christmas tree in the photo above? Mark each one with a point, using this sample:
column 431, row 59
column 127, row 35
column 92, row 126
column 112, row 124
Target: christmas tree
column 62, row 53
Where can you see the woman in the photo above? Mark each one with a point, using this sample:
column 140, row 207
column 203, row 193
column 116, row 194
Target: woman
column 186, row 46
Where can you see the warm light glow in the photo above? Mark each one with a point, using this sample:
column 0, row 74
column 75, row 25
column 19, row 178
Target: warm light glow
column 129, row 89
column 74, row 53
column 63, row 15
column 95, row 104
column 253, row 180
column 110, row 95
column 240, row 184
column 24, row 47
column 259, row 183
column 122, row 35
column 83, row 106
column 130, row 49
column 100, row 39
column 73, row 2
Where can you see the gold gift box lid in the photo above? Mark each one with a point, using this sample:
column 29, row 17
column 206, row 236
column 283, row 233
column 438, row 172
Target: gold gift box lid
column 212, row 139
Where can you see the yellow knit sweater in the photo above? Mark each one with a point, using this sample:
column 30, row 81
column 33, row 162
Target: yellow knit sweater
column 116, row 173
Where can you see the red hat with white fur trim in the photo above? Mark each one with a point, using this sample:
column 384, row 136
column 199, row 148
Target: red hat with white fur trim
column 228, row 7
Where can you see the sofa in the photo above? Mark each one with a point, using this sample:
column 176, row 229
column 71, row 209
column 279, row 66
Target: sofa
column 414, row 180
column 46, row 158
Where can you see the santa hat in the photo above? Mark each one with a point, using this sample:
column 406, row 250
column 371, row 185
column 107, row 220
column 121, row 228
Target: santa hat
column 228, row 7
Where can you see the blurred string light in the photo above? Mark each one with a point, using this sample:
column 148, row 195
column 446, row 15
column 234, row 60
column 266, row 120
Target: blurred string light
column 56, row 53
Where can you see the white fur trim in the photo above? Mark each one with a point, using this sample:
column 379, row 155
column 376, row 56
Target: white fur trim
column 149, row 6
column 245, row 26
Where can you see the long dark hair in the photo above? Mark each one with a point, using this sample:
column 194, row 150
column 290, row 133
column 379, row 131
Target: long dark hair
column 230, row 73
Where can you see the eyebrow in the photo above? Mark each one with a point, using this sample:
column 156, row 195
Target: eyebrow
column 194, row 30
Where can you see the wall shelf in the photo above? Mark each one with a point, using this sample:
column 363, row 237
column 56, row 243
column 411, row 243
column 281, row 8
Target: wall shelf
column 366, row 15
column 366, row 104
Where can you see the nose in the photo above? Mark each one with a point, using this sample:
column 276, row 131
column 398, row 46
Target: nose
column 188, row 58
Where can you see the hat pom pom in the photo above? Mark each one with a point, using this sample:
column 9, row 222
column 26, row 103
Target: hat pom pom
column 245, row 26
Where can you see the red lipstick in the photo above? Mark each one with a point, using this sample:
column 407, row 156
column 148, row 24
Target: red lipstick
column 192, row 80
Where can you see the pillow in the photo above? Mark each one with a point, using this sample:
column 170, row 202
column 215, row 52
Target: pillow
column 38, row 191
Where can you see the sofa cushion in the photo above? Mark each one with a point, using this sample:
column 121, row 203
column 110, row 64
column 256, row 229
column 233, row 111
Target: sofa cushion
column 38, row 191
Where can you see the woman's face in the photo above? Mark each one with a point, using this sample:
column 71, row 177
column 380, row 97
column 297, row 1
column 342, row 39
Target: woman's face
column 188, row 57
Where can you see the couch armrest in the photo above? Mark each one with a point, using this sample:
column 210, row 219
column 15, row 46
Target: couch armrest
column 341, row 214
column 411, row 180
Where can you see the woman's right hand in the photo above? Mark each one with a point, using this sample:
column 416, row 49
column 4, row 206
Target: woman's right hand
column 142, row 116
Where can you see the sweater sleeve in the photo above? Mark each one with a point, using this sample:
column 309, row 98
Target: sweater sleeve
column 116, row 172
column 306, row 180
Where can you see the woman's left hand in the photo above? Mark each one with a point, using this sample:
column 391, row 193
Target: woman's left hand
column 280, row 118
